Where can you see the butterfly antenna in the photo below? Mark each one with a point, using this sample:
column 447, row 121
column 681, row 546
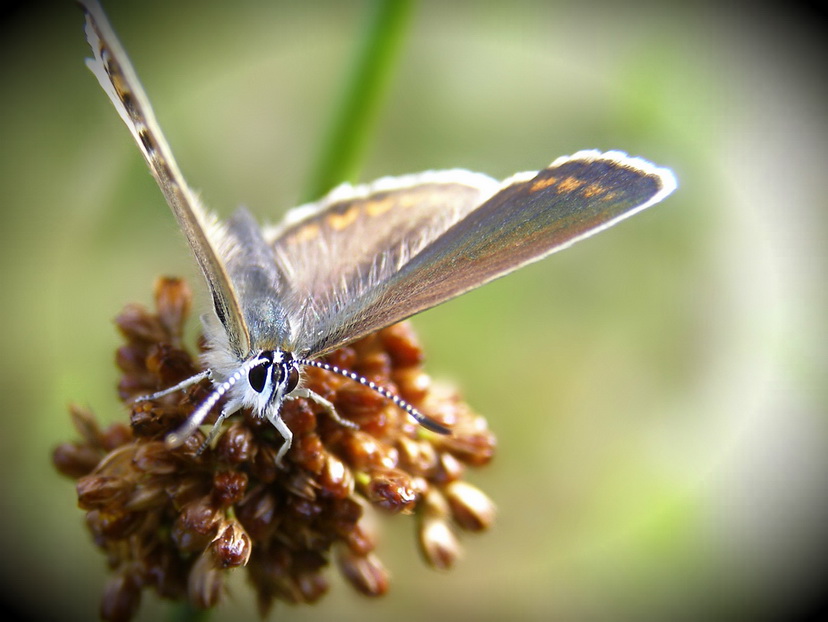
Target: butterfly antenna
column 177, row 438
column 424, row 420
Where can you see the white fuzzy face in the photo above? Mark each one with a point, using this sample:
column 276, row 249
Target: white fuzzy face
column 261, row 382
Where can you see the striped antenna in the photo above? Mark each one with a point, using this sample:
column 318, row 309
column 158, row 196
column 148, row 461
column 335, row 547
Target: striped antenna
column 424, row 420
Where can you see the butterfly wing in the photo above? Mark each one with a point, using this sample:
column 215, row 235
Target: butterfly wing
column 531, row 216
column 207, row 237
column 338, row 250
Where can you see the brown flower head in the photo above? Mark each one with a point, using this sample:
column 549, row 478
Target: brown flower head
column 176, row 520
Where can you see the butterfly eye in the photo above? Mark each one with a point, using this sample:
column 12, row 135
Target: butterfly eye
column 257, row 377
column 293, row 379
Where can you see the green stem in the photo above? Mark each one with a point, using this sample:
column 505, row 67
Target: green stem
column 362, row 95
column 184, row 612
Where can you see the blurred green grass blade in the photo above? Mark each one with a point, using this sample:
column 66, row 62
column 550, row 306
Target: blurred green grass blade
column 183, row 611
column 356, row 113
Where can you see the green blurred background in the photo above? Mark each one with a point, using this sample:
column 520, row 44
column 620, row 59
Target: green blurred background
column 658, row 391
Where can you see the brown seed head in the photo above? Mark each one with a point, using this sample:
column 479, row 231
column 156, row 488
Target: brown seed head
column 175, row 520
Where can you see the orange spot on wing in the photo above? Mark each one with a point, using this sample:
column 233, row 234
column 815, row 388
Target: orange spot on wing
column 542, row 184
column 593, row 190
column 305, row 233
column 378, row 207
column 343, row 220
column 570, row 184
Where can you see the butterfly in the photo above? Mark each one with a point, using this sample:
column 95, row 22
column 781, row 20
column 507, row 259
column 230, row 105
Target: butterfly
column 361, row 258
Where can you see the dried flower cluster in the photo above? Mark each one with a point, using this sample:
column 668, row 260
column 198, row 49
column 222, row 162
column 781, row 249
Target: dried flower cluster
column 175, row 520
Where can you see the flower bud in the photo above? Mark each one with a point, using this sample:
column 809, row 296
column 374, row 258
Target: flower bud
column 391, row 490
column 75, row 460
column 147, row 494
column 115, row 436
column 113, row 523
column 363, row 451
column 470, row 507
column 232, row 546
column 438, row 543
column 136, row 324
column 169, row 364
column 257, row 512
column 475, row 447
column 195, row 526
column 336, row 479
column 229, row 487
column 358, row 403
column 83, row 420
column 122, row 596
column 450, row 468
column 310, row 586
column 154, row 458
column 413, row 382
column 173, row 299
column 363, row 535
column 402, row 345
column 236, row 445
column 418, row 456
column 100, row 490
column 365, row 573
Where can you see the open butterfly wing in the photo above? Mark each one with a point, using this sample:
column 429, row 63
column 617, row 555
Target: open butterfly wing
column 531, row 216
column 351, row 242
column 206, row 236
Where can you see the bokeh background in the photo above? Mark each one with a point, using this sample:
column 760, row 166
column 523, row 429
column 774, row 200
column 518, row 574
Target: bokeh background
column 659, row 391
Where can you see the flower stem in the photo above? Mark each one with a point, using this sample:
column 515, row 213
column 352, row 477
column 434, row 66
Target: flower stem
column 356, row 113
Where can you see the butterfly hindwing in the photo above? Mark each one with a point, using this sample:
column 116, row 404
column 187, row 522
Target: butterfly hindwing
column 356, row 238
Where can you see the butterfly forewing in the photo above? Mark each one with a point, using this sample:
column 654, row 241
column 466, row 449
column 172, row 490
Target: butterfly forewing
column 206, row 236
column 529, row 218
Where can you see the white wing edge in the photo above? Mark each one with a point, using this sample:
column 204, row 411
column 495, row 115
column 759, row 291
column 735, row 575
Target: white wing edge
column 346, row 191
column 488, row 186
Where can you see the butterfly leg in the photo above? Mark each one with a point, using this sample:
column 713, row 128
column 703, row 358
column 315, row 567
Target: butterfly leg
column 328, row 406
column 188, row 382
column 275, row 418
column 188, row 428
column 225, row 412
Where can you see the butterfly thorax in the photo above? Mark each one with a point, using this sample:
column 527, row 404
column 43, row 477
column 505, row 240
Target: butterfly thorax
column 258, row 285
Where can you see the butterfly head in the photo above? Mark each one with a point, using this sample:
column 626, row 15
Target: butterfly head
column 261, row 383
column 271, row 375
